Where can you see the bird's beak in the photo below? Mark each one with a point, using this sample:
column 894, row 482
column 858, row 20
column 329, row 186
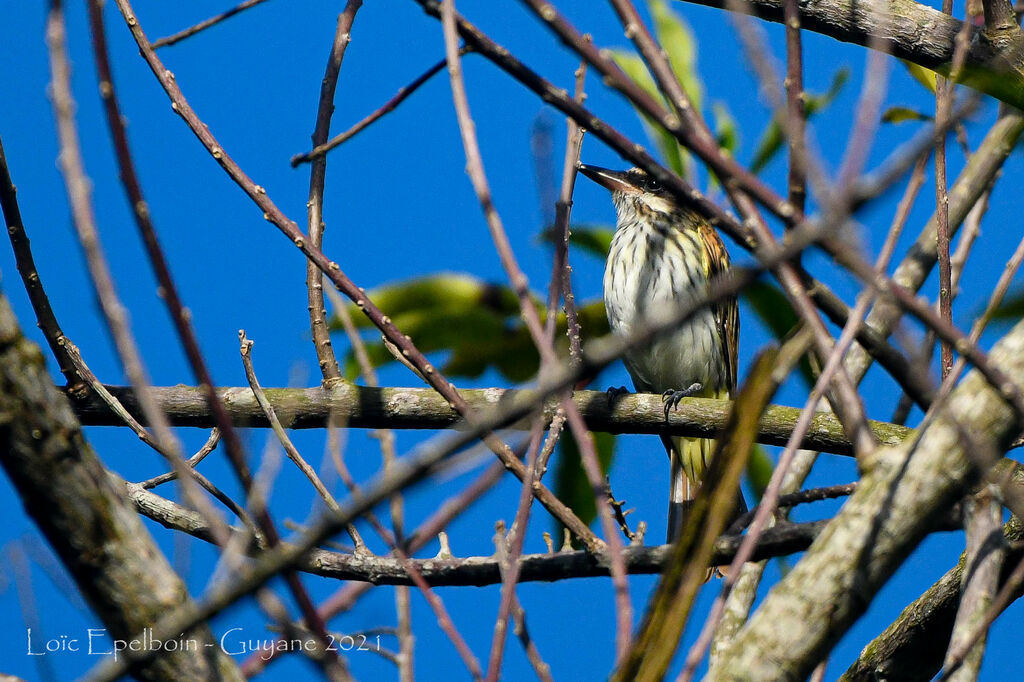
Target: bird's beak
column 614, row 181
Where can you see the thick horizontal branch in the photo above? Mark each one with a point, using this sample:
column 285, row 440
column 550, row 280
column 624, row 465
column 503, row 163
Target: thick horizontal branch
column 478, row 571
column 781, row 540
column 909, row 30
column 423, row 408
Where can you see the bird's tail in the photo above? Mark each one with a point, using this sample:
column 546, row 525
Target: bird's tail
column 689, row 458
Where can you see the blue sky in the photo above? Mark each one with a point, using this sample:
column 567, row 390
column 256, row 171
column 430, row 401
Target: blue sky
column 398, row 205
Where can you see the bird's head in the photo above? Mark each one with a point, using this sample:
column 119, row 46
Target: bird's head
column 634, row 192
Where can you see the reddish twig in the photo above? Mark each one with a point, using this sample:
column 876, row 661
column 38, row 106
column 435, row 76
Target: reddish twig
column 890, row 358
column 319, row 150
column 338, row 278
column 203, row 25
column 232, row 443
column 708, row 151
column 795, row 103
column 26, row 265
column 549, row 360
column 419, row 538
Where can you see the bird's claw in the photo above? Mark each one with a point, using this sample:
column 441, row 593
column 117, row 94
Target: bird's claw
column 673, row 396
column 614, row 392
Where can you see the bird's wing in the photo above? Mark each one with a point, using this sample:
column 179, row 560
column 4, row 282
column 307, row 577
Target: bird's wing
column 726, row 311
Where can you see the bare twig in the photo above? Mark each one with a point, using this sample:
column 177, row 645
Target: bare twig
column 315, row 205
column 338, row 278
column 209, row 446
column 724, row 166
column 386, row 108
column 26, row 265
column 795, row 102
column 419, row 538
column 386, row 438
column 203, row 25
column 588, row 455
column 943, row 104
column 245, row 349
column 439, row 571
column 133, row 366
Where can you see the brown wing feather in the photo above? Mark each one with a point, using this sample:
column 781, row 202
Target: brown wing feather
column 726, row 311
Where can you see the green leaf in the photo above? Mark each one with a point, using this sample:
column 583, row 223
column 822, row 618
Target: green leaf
column 449, row 291
column 571, row 483
column 901, row 114
column 675, row 35
column 435, row 329
column 1012, row 307
column 477, row 324
column 593, row 239
column 675, row 156
column 727, row 134
column 925, row 77
column 772, row 307
column 774, row 310
column 759, row 471
column 768, row 147
column 773, row 138
column 815, row 103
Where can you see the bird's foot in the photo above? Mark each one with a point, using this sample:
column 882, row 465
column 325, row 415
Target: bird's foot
column 672, row 396
column 614, row 392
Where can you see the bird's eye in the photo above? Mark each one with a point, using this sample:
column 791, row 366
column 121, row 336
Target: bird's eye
column 653, row 185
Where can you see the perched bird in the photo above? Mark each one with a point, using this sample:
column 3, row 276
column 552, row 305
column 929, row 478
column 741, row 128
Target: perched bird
column 664, row 254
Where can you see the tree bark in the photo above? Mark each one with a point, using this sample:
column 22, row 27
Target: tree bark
column 896, row 504
column 994, row 62
column 423, row 408
column 87, row 519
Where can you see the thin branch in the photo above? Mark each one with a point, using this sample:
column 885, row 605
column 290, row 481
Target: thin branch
column 386, row 438
column 338, row 278
column 386, row 108
column 912, row 647
column 975, row 179
column 275, row 424
column 790, row 500
column 315, row 204
column 782, row 540
column 26, row 266
column 708, row 151
column 419, row 538
column 209, row 446
column 549, row 360
column 561, row 271
column 943, row 104
column 795, row 106
column 203, row 25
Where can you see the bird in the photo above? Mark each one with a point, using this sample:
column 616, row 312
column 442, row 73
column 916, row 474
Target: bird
column 663, row 253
